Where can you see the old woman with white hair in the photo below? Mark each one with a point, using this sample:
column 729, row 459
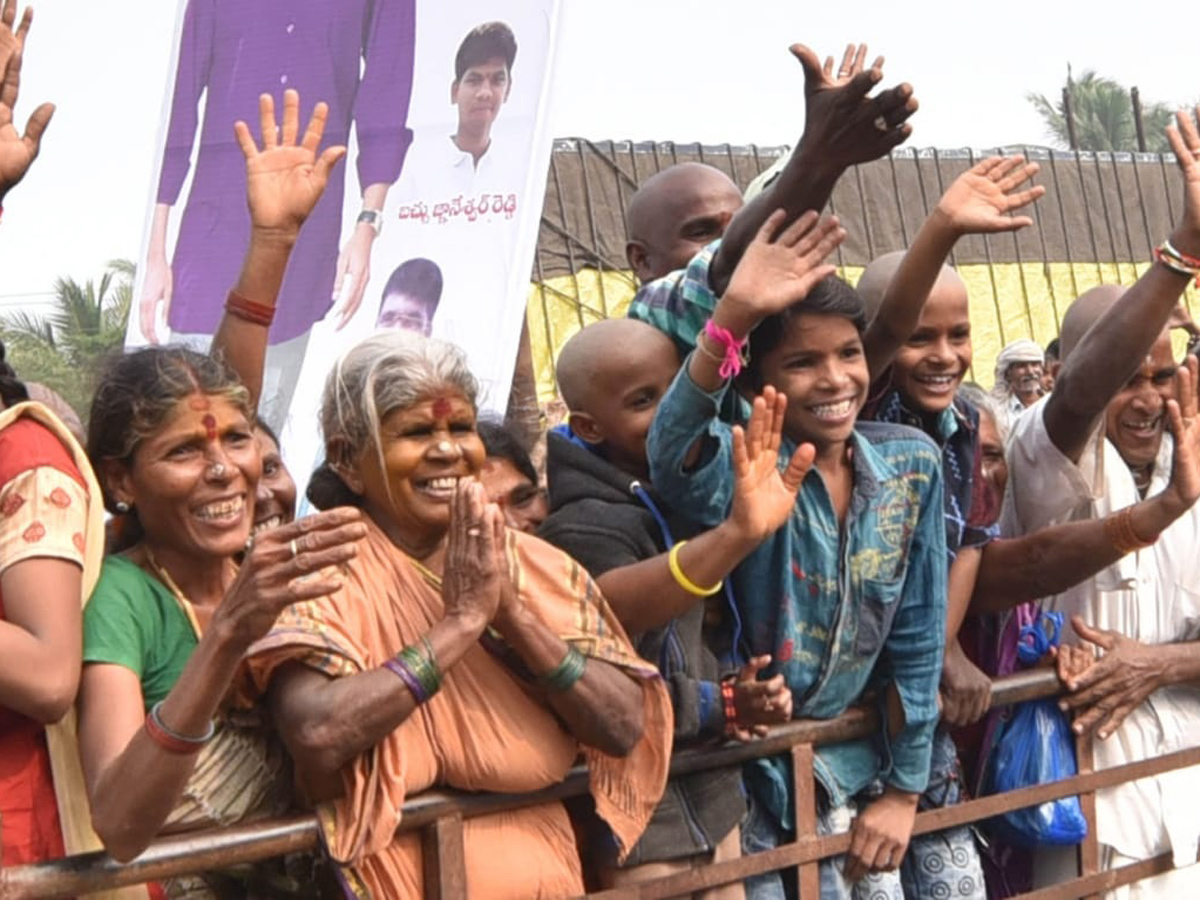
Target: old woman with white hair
column 457, row 653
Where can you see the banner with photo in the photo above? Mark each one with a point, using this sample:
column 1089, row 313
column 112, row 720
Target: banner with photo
column 431, row 222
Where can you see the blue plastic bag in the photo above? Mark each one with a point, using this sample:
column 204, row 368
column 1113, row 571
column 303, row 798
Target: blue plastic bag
column 1035, row 747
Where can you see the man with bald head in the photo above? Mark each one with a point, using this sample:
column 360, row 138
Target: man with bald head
column 1097, row 444
column 675, row 214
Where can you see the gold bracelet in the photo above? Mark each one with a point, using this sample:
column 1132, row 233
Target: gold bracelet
column 683, row 581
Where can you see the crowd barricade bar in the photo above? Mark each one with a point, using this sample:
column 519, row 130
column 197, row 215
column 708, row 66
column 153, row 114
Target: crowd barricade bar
column 440, row 815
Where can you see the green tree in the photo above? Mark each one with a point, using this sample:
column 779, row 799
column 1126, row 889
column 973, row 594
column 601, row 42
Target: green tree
column 65, row 348
column 1103, row 113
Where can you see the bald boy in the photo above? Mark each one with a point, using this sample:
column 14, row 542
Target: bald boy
column 604, row 512
column 675, row 214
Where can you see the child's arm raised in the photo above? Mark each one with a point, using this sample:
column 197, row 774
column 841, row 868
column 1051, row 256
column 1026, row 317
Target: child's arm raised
column 980, row 201
column 778, row 270
column 763, row 498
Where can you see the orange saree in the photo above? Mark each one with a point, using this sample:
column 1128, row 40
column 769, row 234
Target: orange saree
column 485, row 730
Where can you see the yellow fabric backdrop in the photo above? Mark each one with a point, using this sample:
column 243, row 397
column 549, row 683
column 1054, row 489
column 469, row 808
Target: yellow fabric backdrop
column 1008, row 301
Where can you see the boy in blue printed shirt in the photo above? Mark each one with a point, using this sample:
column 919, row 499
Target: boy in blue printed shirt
column 853, row 587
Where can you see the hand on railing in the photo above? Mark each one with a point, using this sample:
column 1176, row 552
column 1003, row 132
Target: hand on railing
column 1104, row 690
column 759, row 704
column 880, row 834
column 965, row 691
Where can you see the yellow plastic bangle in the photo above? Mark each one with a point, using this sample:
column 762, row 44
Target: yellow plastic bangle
column 683, row 581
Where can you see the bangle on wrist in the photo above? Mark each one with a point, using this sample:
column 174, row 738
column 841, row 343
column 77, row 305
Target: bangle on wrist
column 683, row 581
column 172, row 741
column 1118, row 528
column 249, row 310
column 1180, row 263
column 730, row 704
column 417, row 667
column 563, row 676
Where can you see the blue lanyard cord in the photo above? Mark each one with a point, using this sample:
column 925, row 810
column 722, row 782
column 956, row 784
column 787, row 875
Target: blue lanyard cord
column 635, row 487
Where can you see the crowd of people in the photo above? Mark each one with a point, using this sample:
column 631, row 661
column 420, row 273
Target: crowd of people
column 774, row 497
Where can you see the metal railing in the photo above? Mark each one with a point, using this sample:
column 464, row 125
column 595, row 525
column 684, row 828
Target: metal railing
column 439, row 815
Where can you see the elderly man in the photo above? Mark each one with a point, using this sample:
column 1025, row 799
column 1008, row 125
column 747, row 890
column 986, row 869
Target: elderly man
column 1018, row 378
column 1097, row 444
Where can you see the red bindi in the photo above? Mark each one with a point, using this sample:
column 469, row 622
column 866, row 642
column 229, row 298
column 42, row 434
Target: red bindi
column 210, row 426
column 441, row 407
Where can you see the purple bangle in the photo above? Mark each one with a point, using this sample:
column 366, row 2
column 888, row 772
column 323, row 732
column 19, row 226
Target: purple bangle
column 405, row 674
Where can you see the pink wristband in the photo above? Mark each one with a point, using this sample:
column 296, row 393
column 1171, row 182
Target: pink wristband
column 733, row 349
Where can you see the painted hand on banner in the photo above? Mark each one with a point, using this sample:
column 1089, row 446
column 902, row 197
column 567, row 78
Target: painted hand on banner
column 285, row 179
column 17, row 151
column 353, row 272
column 843, row 126
column 981, row 199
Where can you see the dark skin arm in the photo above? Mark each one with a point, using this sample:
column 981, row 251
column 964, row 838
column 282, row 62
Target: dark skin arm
column 979, row 201
column 326, row 722
column 1110, row 352
column 17, row 151
column 763, row 500
column 1105, row 690
column 839, row 131
column 1055, row 558
column 133, row 783
column 40, row 637
column 284, row 181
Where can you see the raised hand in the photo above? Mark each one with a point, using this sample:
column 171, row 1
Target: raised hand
column 843, row 125
column 763, row 496
column 759, row 704
column 1184, row 138
column 981, row 199
column 285, row 179
column 17, row 151
column 1184, row 421
column 778, row 270
column 473, row 579
column 274, row 573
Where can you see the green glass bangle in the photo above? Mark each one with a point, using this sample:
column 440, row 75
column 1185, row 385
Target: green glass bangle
column 422, row 668
column 563, row 676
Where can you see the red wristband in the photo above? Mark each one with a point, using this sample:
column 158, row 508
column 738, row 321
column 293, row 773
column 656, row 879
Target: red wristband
column 249, row 310
column 730, row 707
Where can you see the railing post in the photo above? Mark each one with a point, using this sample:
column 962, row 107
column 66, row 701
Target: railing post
column 445, row 861
column 804, row 789
column 1089, row 850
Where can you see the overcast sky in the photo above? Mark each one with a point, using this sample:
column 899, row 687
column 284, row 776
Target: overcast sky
column 708, row 70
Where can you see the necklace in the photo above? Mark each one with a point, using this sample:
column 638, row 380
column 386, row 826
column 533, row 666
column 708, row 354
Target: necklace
column 165, row 577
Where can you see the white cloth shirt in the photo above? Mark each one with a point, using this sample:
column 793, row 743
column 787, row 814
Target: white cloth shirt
column 1152, row 595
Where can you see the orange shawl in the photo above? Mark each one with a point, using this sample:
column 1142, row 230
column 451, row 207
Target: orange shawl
column 484, row 731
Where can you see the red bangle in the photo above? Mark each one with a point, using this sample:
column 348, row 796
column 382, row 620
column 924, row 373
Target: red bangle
column 172, row 741
column 730, row 706
column 249, row 310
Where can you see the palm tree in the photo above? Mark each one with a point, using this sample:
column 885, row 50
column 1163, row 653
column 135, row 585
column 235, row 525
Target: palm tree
column 64, row 348
column 1103, row 114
